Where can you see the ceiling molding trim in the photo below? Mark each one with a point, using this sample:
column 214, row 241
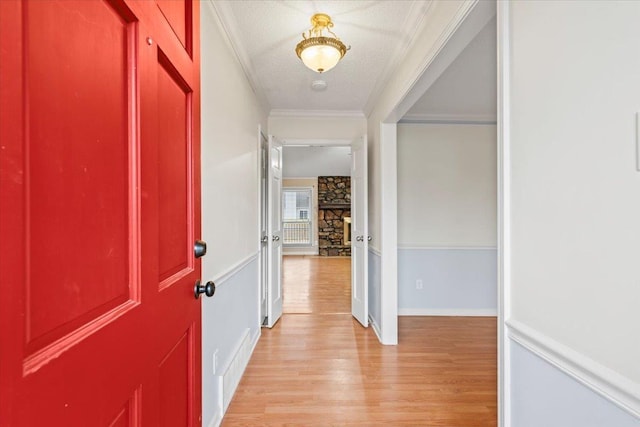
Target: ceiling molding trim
column 295, row 142
column 414, row 25
column 459, row 119
column 455, row 37
column 350, row 114
column 226, row 20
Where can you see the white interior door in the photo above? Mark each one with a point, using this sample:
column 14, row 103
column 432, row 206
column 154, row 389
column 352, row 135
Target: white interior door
column 274, row 232
column 359, row 231
column 263, row 146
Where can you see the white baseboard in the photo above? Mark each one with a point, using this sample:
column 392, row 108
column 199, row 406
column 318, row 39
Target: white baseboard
column 469, row 312
column 254, row 342
column 614, row 387
column 375, row 328
column 216, row 421
column 446, row 248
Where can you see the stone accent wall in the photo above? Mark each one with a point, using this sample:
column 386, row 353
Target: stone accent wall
column 334, row 204
column 334, row 190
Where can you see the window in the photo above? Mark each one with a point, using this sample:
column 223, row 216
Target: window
column 296, row 216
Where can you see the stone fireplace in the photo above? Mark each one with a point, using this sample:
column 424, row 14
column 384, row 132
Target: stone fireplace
column 334, row 206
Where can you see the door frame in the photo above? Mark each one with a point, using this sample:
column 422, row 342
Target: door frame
column 333, row 142
column 262, row 142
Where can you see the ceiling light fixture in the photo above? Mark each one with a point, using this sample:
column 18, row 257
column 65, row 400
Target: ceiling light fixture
column 318, row 51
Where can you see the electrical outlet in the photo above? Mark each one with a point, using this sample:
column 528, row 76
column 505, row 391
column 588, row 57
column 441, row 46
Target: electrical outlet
column 419, row 284
column 215, row 361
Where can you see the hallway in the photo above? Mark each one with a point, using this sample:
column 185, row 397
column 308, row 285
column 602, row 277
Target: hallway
column 321, row 368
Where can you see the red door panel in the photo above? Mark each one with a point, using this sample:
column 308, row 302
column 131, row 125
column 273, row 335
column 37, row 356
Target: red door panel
column 174, row 384
column 76, row 162
column 99, row 187
column 174, row 157
column 178, row 15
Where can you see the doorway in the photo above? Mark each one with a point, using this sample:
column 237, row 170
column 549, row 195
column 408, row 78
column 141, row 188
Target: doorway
column 313, row 231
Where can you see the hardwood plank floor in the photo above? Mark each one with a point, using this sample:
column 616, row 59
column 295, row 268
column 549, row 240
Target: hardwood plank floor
column 313, row 284
column 325, row 369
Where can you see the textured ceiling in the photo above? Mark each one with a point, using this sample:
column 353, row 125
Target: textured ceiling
column 265, row 34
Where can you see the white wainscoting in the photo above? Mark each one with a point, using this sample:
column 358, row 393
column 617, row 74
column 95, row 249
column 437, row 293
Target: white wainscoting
column 456, row 281
column 561, row 381
column 227, row 317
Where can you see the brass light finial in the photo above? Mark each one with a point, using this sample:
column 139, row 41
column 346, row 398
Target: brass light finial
column 318, row 51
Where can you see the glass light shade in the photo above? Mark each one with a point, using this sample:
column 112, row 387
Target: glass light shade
column 321, row 57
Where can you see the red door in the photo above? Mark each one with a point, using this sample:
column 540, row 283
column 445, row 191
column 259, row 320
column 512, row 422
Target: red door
column 100, row 208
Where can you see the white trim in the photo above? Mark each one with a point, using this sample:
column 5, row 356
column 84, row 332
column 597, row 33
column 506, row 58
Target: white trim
column 259, row 190
column 472, row 119
column 300, row 251
column 606, row 382
column 216, row 420
column 222, row 278
column 447, row 248
column 254, row 342
column 260, row 279
column 504, row 211
column 317, row 113
column 227, row 22
column 375, row 327
column 375, row 251
column 299, row 142
column 389, row 233
column 462, row 312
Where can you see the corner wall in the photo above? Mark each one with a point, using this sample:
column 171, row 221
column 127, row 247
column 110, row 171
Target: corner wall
column 573, row 282
column 230, row 118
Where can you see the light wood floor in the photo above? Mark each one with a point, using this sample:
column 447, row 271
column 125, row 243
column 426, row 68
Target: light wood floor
column 324, row 369
column 313, row 284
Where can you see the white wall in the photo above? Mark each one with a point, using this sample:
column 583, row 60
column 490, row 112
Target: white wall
column 575, row 189
column 316, row 127
column 447, row 219
column 316, row 161
column 230, row 119
column 446, row 185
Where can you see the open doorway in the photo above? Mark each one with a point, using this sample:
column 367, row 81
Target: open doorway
column 447, row 189
column 320, row 225
column 316, row 200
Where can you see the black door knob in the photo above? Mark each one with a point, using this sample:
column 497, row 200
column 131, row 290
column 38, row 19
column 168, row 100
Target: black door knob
column 209, row 289
column 200, row 248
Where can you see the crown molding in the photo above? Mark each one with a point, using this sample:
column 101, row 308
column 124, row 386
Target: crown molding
column 350, row 114
column 298, row 142
column 417, row 19
column 427, row 118
column 227, row 22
